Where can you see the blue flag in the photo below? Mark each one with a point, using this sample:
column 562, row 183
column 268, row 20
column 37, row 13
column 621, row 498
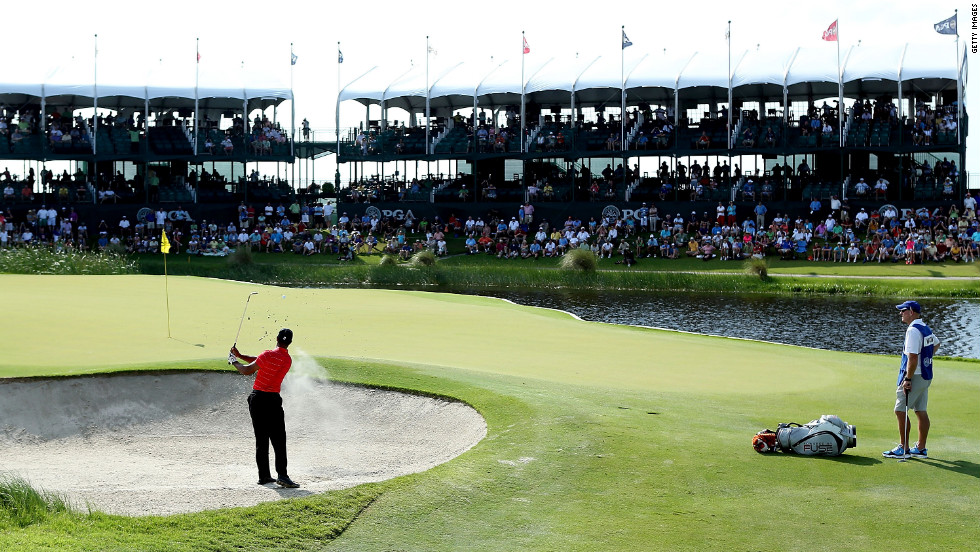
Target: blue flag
column 340, row 56
column 946, row 26
column 626, row 41
column 293, row 58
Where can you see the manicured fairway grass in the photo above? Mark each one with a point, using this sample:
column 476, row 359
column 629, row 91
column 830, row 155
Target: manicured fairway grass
column 599, row 437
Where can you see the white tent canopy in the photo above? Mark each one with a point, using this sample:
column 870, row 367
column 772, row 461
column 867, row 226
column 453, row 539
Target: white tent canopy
column 810, row 72
column 120, row 84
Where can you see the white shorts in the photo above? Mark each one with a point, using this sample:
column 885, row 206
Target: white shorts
column 918, row 396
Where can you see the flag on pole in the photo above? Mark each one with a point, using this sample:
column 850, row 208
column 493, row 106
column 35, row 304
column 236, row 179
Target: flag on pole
column 164, row 243
column 527, row 49
column 340, row 56
column 830, row 35
column 292, row 58
column 947, row 26
column 433, row 51
column 199, row 57
column 626, row 40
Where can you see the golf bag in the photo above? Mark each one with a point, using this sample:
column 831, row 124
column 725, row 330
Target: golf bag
column 828, row 436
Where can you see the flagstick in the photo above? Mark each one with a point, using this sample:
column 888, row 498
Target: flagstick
column 166, row 284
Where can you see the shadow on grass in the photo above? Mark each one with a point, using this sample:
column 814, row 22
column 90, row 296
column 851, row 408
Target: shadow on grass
column 844, row 459
column 958, row 466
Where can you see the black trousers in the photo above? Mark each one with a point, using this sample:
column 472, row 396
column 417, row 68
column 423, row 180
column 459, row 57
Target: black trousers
column 269, row 424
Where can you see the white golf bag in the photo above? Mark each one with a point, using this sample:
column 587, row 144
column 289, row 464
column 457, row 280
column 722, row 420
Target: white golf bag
column 828, row 436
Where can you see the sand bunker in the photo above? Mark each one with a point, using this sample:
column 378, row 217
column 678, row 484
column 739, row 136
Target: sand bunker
column 182, row 442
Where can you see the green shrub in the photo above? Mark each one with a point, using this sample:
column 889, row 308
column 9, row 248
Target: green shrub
column 579, row 259
column 388, row 260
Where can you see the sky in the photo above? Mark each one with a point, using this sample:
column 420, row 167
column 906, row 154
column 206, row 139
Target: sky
column 257, row 35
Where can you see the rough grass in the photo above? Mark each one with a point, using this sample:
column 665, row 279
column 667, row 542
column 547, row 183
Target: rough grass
column 474, row 272
column 46, row 260
column 21, row 504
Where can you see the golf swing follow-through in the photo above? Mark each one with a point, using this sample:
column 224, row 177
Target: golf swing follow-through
column 265, row 403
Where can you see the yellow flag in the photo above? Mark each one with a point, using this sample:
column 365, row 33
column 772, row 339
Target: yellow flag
column 164, row 243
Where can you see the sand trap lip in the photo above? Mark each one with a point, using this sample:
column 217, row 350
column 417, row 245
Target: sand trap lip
column 165, row 443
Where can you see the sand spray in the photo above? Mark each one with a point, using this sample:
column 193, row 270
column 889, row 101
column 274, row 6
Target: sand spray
column 304, row 398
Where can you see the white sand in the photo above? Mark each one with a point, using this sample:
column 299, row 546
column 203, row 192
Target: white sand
column 183, row 442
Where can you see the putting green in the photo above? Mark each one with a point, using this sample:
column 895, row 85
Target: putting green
column 91, row 323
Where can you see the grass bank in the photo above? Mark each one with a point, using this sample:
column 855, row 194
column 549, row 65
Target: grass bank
column 599, row 437
column 475, row 272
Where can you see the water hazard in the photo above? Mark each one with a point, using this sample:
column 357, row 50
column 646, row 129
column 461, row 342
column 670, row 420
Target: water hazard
column 866, row 325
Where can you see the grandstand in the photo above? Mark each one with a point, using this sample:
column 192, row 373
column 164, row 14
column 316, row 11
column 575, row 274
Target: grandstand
column 869, row 115
column 900, row 115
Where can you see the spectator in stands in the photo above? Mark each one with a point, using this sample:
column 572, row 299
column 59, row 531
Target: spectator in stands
column 704, row 142
column 969, row 207
column 227, row 145
column 748, row 138
column 861, row 188
column 881, row 188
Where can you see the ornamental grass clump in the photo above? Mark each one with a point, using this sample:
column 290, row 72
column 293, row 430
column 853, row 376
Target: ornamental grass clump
column 423, row 259
column 388, row 260
column 757, row 267
column 580, row 260
column 241, row 256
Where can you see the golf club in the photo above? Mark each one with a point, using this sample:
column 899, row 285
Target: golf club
column 243, row 317
column 908, row 427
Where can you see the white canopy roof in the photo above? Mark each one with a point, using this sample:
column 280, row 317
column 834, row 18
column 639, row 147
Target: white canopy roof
column 122, row 84
column 657, row 77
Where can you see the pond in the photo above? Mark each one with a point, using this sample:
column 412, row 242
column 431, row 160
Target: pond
column 866, row 325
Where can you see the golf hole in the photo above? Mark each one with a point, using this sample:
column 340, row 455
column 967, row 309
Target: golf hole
column 166, row 443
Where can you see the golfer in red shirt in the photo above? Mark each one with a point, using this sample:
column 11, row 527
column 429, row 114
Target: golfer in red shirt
column 265, row 405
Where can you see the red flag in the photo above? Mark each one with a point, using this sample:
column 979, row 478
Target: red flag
column 830, row 35
column 527, row 49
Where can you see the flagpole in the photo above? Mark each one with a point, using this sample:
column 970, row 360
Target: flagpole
column 840, row 93
column 197, row 82
column 622, row 94
column 523, row 87
column 427, row 107
column 340, row 59
column 95, row 97
column 959, row 81
column 292, row 103
column 728, row 37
